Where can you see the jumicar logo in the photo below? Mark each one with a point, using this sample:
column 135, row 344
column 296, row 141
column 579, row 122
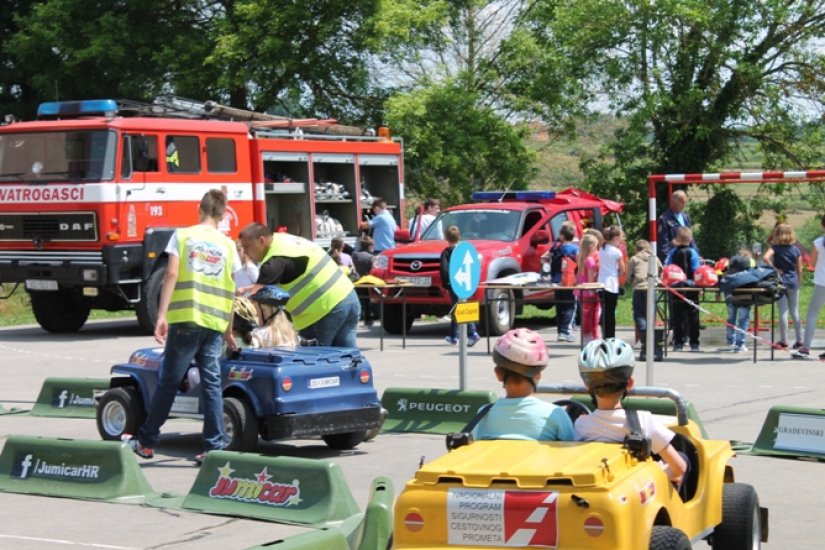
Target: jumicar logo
column 64, row 398
column 29, row 466
column 25, row 466
column 258, row 490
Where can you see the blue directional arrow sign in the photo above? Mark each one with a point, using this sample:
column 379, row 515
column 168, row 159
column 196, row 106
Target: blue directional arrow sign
column 465, row 270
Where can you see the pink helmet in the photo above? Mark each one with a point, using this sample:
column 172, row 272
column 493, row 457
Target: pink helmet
column 673, row 274
column 521, row 350
column 705, row 276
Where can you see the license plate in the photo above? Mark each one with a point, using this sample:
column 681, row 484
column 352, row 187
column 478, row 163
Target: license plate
column 41, row 284
column 416, row 281
column 329, row 382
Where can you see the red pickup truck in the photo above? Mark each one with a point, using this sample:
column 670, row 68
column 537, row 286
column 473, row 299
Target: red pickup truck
column 510, row 230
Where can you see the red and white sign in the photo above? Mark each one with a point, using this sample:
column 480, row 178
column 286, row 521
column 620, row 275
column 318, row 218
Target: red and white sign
column 481, row 517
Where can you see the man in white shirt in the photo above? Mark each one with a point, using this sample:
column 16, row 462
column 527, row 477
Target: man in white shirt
column 431, row 209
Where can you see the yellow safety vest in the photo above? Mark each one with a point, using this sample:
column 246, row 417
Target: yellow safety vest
column 205, row 288
column 173, row 161
column 319, row 289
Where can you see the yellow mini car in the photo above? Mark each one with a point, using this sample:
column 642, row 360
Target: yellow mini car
column 577, row 495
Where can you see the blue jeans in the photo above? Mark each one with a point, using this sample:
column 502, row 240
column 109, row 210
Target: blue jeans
column 640, row 310
column 187, row 341
column 565, row 311
column 740, row 316
column 338, row 327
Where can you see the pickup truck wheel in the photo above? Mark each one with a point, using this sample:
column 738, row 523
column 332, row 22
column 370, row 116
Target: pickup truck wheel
column 240, row 425
column 343, row 442
column 500, row 311
column 740, row 528
column 120, row 411
column 664, row 537
column 59, row 312
column 147, row 308
column 394, row 318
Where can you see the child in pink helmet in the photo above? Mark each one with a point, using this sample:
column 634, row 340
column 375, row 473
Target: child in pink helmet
column 520, row 355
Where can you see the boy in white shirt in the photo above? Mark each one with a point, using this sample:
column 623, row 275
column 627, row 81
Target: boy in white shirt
column 606, row 367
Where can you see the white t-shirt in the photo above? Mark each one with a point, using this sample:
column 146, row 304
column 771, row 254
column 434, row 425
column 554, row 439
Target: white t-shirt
column 609, row 258
column 172, row 250
column 426, row 220
column 611, row 425
column 819, row 269
column 247, row 275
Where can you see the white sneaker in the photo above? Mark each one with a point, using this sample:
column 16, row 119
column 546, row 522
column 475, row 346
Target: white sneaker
column 740, row 349
column 567, row 338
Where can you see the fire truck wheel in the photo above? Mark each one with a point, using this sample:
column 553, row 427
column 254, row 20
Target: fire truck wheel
column 147, row 308
column 63, row 311
column 394, row 317
column 240, row 425
column 500, row 312
column 119, row 412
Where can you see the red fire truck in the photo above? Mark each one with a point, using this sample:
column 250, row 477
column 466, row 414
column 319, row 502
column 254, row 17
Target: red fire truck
column 91, row 191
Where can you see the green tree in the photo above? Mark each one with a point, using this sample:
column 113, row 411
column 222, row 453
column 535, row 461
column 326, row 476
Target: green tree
column 453, row 146
column 72, row 49
column 305, row 58
column 449, row 105
column 16, row 94
column 691, row 78
column 308, row 57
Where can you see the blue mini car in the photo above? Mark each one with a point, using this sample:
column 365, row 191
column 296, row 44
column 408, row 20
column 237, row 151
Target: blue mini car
column 277, row 393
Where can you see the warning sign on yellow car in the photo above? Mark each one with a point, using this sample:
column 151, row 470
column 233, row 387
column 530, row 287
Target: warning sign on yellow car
column 466, row 312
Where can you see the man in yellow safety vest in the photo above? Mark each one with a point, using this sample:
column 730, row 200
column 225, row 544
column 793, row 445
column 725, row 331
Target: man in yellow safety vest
column 193, row 317
column 323, row 303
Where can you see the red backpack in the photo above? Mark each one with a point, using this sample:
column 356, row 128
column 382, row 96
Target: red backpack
column 568, row 271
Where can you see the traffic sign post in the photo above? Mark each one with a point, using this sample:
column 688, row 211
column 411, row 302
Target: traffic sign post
column 465, row 273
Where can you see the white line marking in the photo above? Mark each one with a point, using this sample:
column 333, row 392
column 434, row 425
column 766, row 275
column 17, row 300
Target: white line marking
column 68, row 542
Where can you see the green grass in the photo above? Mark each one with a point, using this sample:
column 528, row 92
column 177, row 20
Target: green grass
column 16, row 310
column 718, row 311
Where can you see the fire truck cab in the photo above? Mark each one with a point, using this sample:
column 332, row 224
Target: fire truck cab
column 91, row 191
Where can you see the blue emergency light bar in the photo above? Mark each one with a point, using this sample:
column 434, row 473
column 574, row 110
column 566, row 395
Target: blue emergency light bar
column 86, row 107
column 528, row 196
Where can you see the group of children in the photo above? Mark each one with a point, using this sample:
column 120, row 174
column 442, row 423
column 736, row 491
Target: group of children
column 606, row 368
column 597, row 258
column 783, row 254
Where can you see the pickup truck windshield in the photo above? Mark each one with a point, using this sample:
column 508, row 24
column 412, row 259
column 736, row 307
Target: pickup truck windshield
column 477, row 224
column 57, row 156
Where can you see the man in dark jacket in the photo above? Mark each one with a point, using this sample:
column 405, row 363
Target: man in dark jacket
column 669, row 223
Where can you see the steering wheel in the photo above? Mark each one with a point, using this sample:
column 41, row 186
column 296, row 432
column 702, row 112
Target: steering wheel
column 574, row 408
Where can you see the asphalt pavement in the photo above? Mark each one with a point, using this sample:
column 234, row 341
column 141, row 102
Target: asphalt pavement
column 731, row 393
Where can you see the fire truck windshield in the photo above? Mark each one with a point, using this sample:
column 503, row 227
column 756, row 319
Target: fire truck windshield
column 87, row 155
column 477, row 224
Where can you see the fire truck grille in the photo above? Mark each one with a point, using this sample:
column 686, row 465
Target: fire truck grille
column 416, row 266
column 53, row 227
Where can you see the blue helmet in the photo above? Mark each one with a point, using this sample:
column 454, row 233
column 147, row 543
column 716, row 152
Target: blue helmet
column 271, row 295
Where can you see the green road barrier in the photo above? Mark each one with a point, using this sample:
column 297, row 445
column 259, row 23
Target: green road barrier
column 95, row 470
column 68, row 397
column 371, row 530
column 285, row 489
column 654, row 405
column 328, row 539
column 14, row 410
column 430, row 410
column 791, row 431
column 376, row 529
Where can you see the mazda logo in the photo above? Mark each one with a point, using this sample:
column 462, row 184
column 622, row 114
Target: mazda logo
column 415, row 265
